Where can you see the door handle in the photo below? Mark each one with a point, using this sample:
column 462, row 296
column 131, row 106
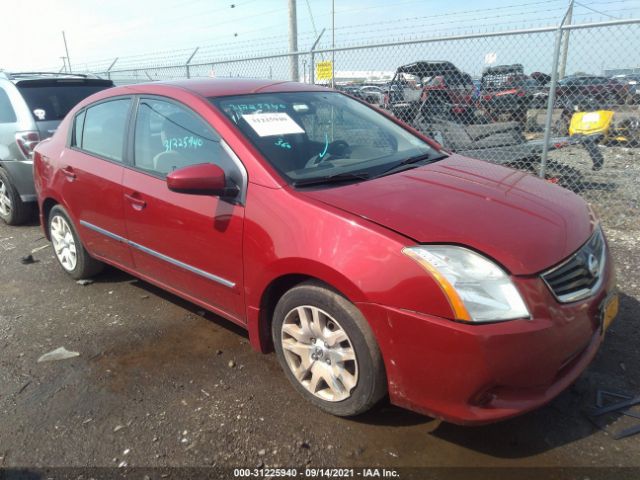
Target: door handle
column 69, row 173
column 136, row 203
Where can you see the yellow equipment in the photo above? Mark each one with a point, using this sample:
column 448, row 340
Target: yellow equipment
column 623, row 128
column 591, row 123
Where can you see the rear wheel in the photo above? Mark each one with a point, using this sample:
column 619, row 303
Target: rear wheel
column 13, row 211
column 327, row 350
column 68, row 248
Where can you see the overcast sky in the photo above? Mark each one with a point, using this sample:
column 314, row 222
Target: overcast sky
column 99, row 31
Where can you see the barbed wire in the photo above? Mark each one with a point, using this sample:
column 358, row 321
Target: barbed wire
column 539, row 22
column 350, row 35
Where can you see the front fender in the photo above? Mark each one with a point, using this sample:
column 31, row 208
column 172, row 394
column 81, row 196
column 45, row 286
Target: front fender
column 287, row 234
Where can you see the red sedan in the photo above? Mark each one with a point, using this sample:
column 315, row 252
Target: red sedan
column 370, row 259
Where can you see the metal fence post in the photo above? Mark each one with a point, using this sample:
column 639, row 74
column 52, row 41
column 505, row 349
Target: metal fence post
column 312, row 73
column 189, row 61
column 552, row 96
column 110, row 67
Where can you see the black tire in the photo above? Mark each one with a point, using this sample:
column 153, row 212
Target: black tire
column 86, row 266
column 371, row 385
column 19, row 212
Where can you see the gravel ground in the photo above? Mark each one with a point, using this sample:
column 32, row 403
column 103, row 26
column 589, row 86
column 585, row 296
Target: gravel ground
column 159, row 383
column 614, row 191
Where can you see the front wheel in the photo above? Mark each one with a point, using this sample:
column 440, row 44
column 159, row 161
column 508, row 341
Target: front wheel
column 68, row 248
column 327, row 350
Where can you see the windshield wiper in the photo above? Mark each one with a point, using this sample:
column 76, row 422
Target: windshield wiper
column 336, row 178
column 410, row 162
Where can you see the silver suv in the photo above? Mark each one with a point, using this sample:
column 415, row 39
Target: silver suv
column 32, row 105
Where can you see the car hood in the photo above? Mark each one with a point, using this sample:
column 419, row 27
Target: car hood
column 524, row 223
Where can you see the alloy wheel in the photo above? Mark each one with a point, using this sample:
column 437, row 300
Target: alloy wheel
column 64, row 244
column 5, row 201
column 319, row 353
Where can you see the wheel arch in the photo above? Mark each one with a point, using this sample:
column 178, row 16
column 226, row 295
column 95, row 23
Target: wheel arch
column 259, row 318
column 47, row 204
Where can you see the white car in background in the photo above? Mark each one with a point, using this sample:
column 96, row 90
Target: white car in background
column 372, row 94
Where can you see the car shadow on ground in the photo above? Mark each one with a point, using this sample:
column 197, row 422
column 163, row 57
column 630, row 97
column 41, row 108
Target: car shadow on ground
column 113, row 275
column 180, row 302
column 386, row 414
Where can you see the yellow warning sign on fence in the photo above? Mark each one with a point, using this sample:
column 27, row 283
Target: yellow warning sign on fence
column 324, row 70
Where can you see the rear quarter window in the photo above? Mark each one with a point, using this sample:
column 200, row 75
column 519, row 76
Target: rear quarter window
column 7, row 114
column 78, row 126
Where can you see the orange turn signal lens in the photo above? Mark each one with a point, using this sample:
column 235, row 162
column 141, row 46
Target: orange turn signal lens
column 457, row 306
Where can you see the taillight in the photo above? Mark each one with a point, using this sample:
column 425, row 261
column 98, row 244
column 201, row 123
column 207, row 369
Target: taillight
column 27, row 141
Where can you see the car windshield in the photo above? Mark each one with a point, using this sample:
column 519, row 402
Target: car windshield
column 313, row 137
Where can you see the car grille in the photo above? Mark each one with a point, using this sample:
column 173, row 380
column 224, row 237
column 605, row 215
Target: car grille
column 581, row 274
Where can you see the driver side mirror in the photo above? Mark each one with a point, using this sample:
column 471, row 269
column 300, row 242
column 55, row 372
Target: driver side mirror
column 200, row 179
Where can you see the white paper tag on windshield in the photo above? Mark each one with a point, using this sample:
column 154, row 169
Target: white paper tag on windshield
column 269, row 124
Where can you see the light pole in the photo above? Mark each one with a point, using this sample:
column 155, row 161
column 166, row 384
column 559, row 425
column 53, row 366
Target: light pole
column 333, row 43
column 293, row 41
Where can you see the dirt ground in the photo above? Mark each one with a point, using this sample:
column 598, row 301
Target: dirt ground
column 159, row 383
column 613, row 191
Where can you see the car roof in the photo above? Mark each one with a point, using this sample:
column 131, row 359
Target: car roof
column 582, row 77
column 504, row 69
column 204, row 87
column 428, row 68
column 223, row 87
column 18, row 77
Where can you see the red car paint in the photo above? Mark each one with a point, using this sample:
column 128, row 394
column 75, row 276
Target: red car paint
column 351, row 237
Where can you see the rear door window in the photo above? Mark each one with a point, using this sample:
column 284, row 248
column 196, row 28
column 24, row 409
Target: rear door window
column 103, row 129
column 7, row 115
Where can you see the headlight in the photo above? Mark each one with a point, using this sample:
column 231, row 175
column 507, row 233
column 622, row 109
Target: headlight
column 478, row 289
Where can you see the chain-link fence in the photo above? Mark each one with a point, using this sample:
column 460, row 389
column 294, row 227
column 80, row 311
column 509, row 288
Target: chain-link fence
column 534, row 99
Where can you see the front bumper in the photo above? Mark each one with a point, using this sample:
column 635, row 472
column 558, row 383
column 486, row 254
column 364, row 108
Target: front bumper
column 476, row 374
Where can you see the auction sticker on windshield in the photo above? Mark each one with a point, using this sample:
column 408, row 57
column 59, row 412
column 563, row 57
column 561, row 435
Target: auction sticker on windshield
column 269, row 124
